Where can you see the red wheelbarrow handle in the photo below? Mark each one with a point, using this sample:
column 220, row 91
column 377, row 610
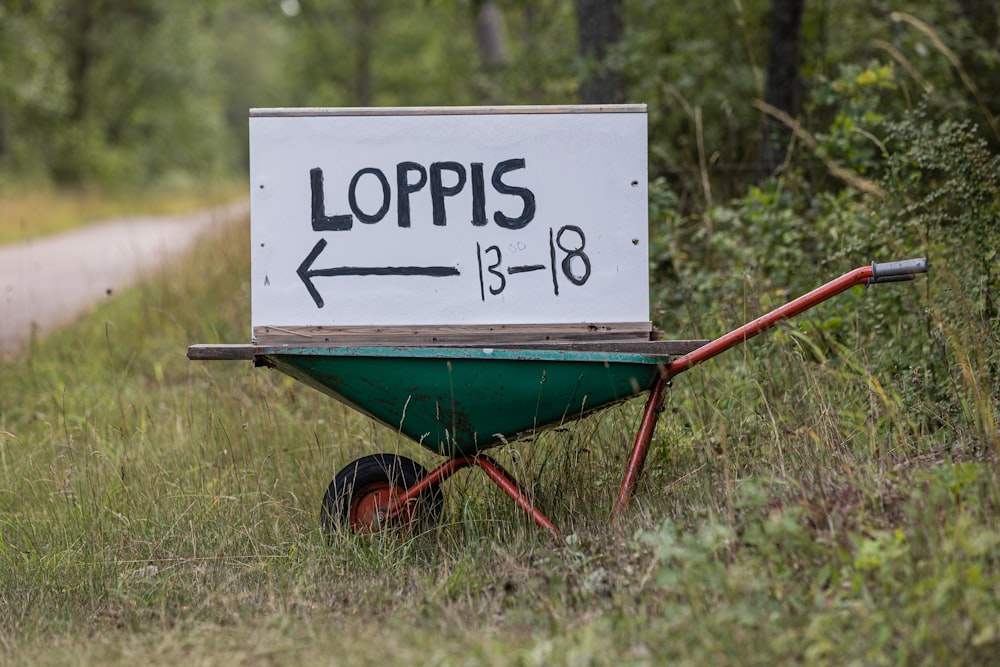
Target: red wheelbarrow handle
column 865, row 275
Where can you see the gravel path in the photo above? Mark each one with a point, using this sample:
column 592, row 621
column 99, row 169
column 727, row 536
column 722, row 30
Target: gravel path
column 51, row 281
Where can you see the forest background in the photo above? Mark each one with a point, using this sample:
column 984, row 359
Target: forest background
column 787, row 139
column 843, row 480
column 751, row 103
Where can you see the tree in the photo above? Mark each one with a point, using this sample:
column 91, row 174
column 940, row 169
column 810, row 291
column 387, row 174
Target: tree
column 21, row 96
column 983, row 17
column 490, row 34
column 337, row 48
column 782, row 86
column 600, row 24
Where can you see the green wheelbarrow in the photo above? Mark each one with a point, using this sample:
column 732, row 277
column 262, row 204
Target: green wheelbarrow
column 461, row 400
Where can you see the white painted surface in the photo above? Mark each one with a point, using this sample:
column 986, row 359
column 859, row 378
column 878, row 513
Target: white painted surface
column 585, row 167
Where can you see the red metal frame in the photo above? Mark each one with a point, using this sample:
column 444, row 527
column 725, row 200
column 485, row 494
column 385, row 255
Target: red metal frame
column 654, row 404
column 493, row 470
column 637, row 458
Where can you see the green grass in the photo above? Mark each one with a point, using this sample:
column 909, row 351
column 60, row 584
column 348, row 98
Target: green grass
column 794, row 509
column 33, row 211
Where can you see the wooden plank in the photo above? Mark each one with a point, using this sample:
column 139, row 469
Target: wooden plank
column 205, row 352
column 297, row 112
column 486, row 334
column 655, row 348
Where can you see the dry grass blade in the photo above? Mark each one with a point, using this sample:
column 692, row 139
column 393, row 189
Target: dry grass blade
column 840, row 172
column 929, row 33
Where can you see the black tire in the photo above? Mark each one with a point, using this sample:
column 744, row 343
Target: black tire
column 352, row 500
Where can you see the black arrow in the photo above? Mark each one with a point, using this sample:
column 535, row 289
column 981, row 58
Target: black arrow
column 307, row 273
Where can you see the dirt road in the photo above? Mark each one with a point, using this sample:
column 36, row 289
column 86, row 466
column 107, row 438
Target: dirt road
column 51, row 281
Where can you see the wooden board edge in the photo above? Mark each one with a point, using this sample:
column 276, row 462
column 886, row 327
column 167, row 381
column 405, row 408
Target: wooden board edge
column 299, row 112
column 221, row 352
column 653, row 348
column 667, row 348
column 487, row 334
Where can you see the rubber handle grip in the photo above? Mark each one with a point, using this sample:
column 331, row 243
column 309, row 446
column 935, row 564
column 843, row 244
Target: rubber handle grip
column 901, row 270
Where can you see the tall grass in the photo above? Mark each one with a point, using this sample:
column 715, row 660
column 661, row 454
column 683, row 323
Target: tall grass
column 792, row 509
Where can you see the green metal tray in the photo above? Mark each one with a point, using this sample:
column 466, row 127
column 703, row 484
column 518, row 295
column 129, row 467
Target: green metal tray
column 463, row 400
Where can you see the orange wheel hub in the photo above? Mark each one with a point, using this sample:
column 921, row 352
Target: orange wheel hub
column 369, row 508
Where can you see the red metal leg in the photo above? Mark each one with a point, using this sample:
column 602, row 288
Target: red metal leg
column 891, row 272
column 654, row 406
column 493, row 470
column 397, row 503
column 509, row 485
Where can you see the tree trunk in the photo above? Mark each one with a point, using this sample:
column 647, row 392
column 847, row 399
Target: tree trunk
column 490, row 34
column 983, row 17
column 600, row 24
column 80, row 54
column 366, row 16
column 782, row 84
column 4, row 150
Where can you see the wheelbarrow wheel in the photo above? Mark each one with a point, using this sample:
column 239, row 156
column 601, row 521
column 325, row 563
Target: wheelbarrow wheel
column 357, row 497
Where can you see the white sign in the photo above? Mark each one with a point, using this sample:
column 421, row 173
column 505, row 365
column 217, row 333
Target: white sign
column 448, row 216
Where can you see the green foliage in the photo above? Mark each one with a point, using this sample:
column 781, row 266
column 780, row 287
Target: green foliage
column 945, row 185
column 702, row 64
column 799, row 589
column 851, row 106
column 117, row 92
column 364, row 53
column 125, row 94
column 869, row 186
